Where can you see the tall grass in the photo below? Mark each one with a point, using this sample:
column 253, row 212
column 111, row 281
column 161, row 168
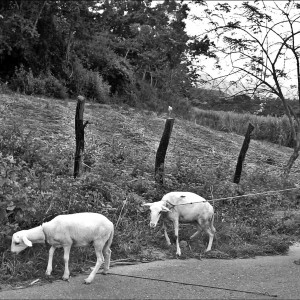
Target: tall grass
column 273, row 129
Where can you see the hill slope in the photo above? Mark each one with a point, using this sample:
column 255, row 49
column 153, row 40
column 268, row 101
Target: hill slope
column 118, row 176
column 137, row 131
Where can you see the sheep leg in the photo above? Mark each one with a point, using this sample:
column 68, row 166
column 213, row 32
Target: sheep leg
column 199, row 229
column 176, row 227
column 107, row 254
column 211, row 232
column 166, row 234
column 209, row 229
column 66, row 260
column 98, row 249
column 49, row 266
column 195, row 234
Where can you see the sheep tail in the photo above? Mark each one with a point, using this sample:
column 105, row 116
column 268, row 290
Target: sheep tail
column 109, row 241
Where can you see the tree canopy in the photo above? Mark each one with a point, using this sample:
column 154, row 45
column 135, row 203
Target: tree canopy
column 97, row 47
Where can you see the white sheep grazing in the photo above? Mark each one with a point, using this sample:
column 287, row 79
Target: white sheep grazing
column 185, row 207
column 66, row 230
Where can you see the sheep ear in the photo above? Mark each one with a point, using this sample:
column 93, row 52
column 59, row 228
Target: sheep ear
column 147, row 204
column 27, row 242
column 163, row 208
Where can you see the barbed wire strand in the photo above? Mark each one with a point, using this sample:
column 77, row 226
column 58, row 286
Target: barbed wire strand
column 240, row 196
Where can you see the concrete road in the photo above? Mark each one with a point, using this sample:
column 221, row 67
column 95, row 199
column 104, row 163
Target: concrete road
column 211, row 279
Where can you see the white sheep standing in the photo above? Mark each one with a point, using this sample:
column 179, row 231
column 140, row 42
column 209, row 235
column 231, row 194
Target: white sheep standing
column 185, row 207
column 78, row 229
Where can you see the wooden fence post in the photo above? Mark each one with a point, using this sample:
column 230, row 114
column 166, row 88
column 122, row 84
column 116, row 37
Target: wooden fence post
column 242, row 155
column 162, row 150
column 79, row 133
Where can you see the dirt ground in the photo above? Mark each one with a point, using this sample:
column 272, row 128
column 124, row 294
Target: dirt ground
column 259, row 278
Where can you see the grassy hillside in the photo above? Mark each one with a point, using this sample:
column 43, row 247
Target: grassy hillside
column 267, row 128
column 37, row 145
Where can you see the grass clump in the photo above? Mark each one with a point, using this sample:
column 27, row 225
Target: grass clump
column 26, row 82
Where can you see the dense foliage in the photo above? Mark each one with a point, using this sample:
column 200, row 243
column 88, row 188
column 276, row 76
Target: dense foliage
column 99, row 49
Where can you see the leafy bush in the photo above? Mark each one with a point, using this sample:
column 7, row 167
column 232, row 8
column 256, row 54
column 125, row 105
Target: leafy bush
column 147, row 96
column 4, row 88
column 53, row 87
column 97, row 88
column 88, row 83
column 25, row 82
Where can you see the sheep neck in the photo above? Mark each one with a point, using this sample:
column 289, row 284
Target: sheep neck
column 46, row 234
column 36, row 234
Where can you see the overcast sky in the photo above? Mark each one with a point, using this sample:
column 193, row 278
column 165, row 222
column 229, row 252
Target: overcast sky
column 197, row 27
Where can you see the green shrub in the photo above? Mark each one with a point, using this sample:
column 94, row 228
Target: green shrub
column 181, row 106
column 97, row 88
column 4, row 88
column 88, row 83
column 53, row 87
column 24, row 81
column 45, row 84
column 147, row 96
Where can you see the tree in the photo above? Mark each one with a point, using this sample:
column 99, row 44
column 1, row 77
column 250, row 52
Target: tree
column 123, row 46
column 261, row 43
column 153, row 39
column 37, row 33
column 18, row 34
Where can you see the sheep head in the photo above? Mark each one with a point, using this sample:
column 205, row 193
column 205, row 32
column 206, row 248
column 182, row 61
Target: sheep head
column 156, row 209
column 20, row 242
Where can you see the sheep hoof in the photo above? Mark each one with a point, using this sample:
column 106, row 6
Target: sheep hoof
column 87, row 281
column 65, row 279
column 104, row 272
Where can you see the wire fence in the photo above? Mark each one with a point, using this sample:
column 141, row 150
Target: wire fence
column 238, row 197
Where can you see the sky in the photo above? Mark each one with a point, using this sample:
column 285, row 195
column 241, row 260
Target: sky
column 197, row 27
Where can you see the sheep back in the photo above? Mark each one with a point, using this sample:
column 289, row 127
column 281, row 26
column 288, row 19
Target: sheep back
column 78, row 229
column 186, row 210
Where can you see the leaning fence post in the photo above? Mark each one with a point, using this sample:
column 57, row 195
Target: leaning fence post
column 242, row 155
column 79, row 133
column 162, row 150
